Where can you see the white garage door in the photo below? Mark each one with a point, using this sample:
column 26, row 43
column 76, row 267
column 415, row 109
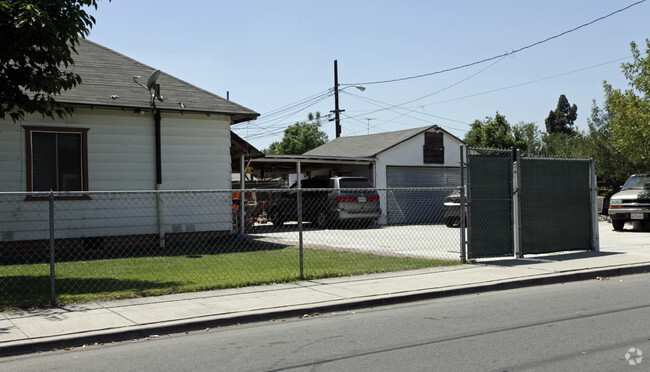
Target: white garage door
column 418, row 206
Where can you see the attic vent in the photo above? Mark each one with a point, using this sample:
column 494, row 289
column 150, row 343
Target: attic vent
column 434, row 150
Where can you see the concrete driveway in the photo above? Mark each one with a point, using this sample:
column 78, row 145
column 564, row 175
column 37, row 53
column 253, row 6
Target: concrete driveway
column 425, row 241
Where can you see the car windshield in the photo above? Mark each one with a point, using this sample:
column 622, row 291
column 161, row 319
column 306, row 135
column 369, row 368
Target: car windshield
column 639, row 182
column 354, row 183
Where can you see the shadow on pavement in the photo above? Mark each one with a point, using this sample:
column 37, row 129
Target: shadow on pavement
column 540, row 259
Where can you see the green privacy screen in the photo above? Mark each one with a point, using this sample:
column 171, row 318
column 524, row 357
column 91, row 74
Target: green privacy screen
column 555, row 205
column 490, row 206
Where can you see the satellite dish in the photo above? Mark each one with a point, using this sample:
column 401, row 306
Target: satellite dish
column 152, row 79
column 151, row 86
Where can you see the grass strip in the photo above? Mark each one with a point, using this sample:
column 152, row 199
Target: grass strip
column 28, row 285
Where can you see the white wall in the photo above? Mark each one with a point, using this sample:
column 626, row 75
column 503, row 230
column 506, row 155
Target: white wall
column 409, row 154
column 195, row 152
column 121, row 156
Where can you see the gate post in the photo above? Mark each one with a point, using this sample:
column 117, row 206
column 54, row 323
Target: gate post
column 516, row 207
column 595, row 238
column 463, row 253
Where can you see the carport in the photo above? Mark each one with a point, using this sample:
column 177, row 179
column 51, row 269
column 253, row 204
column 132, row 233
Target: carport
column 312, row 165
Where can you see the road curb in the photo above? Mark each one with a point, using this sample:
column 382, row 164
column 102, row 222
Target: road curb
column 68, row 342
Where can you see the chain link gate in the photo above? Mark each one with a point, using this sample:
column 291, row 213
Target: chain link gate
column 531, row 206
column 490, row 203
column 556, row 205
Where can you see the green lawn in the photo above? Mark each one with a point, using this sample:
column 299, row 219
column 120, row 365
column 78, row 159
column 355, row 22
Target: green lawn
column 26, row 286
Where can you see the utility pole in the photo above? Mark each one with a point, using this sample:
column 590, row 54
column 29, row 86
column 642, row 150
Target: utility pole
column 369, row 123
column 336, row 110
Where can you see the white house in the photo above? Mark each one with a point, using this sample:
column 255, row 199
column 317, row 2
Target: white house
column 419, row 157
column 119, row 138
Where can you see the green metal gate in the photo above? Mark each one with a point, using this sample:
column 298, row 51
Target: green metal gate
column 490, row 221
column 556, row 206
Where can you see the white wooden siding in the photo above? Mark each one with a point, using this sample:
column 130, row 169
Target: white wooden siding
column 121, row 156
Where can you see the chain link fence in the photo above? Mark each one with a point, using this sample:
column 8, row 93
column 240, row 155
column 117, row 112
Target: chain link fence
column 70, row 247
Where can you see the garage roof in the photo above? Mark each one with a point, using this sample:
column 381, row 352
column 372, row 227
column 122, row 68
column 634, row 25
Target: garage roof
column 369, row 145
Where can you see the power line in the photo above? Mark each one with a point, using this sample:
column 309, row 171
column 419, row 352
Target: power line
column 500, row 55
column 527, row 82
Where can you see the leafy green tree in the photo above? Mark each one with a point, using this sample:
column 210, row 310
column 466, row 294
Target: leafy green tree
column 529, row 134
column 38, row 39
column 628, row 111
column 300, row 137
column 612, row 166
column 562, row 118
column 564, row 145
column 494, row 133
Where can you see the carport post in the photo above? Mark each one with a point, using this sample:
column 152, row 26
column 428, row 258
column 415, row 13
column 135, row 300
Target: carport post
column 242, row 194
column 298, row 171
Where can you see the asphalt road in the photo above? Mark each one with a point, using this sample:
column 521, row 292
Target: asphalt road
column 597, row 325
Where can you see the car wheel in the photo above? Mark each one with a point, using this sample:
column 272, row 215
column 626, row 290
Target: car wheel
column 618, row 224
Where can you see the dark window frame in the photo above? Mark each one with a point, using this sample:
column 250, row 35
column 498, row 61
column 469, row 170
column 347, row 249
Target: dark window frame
column 83, row 132
column 433, row 151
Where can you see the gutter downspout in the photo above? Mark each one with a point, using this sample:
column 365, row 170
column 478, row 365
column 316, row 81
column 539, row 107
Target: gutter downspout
column 159, row 200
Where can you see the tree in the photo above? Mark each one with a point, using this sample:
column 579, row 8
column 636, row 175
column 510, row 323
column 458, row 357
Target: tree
column 38, row 38
column 494, row 133
column 300, row 137
column 628, row 111
column 612, row 166
column 561, row 120
column 529, row 134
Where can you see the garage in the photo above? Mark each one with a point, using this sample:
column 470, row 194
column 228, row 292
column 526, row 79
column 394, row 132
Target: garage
column 407, row 207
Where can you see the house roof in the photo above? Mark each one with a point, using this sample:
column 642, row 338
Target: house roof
column 368, row 145
column 107, row 81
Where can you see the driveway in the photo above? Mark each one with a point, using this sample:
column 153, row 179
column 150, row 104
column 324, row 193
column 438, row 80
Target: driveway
column 425, row 241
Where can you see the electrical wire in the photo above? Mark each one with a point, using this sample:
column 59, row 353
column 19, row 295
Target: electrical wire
column 527, row 82
column 500, row 55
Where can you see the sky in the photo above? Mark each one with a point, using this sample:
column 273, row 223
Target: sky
column 277, row 57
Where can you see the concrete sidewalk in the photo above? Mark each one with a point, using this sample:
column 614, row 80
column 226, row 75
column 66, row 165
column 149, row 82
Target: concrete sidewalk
column 75, row 325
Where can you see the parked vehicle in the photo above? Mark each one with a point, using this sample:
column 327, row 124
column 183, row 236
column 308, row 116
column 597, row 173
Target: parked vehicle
column 349, row 199
column 632, row 203
column 451, row 209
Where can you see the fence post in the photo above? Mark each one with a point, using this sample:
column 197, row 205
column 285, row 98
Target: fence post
column 299, row 196
column 517, row 230
column 52, row 260
column 595, row 237
column 161, row 216
column 463, row 256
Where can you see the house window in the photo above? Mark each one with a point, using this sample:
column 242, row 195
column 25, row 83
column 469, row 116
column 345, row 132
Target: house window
column 434, row 151
column 57, row 159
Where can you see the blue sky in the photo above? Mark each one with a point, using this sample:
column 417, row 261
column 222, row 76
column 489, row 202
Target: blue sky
column 276, row 57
